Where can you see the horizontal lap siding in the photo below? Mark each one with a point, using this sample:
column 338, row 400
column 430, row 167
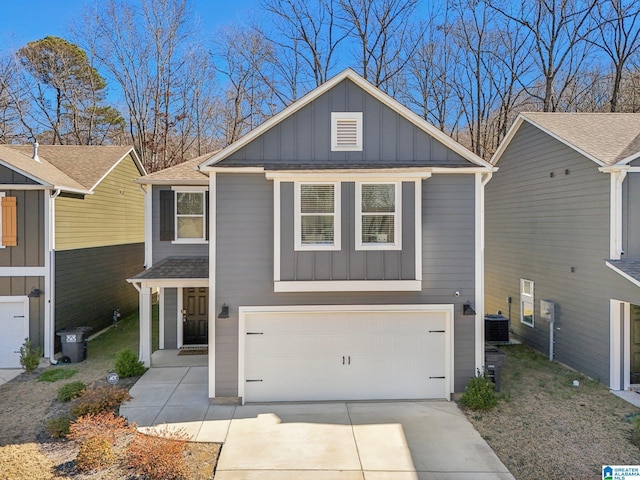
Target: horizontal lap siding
column 538, row 227
column 91, row 283
column 631, row 217
column 112, row 215
column 244, row 264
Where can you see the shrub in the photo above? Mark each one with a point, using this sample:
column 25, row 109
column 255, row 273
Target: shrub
column 159, row 457
column 101, row 398
column 128, row 365
column 479, row 394
column 71, row 391
column 56, row 374
column 29, row 356
column 58, row 427
column 105, row 424
column 95, row 453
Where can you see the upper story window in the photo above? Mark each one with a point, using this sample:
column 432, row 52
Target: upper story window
column 183, row 215
column 346, row 131
column 526, row 302
column 8, row 221
column 378, row 216
column 190, row 208
column 317, row 218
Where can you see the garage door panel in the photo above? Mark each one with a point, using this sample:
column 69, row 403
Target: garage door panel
column 346, row 355
column 14, row 328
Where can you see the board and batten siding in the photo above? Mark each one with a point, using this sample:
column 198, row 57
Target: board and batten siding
column 305, row 137
column 547, row 220
column 29, row 251
column 165, row 248
column 244, row 264
column 112, row 215
column 347, row 263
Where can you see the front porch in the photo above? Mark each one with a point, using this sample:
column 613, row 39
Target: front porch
column 171, row 358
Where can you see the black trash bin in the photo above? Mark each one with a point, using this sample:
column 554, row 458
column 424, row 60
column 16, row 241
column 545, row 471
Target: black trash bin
column 493, row 360
column 74, row 343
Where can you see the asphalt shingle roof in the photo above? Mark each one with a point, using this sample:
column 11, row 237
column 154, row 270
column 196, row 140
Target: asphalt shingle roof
column 176, row 267
column 608, row 137
column 628, row 267
column 72, row 167
column 183, row 172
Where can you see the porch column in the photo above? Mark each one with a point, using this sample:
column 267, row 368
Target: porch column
column 145, row 326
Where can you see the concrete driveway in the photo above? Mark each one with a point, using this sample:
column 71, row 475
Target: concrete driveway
column 317, row 441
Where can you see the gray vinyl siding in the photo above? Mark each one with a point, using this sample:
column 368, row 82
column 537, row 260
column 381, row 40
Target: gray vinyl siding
column 29, row 252
column 91, row 283
column 631, row 217
column 244, row 264
column 164, row 249
column 305, row 137
column 347, row 263
column 553, row 230
column 170, row 318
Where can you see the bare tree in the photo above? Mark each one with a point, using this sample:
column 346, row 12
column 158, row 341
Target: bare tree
column 306, row 42
column 618, row 36
column 145, row 47
column 243, row 58
column 559, row 29
column 385, row 37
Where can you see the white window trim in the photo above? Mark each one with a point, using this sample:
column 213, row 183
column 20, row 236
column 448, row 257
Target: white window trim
column 335, row 117
column 2, row 194
column 397, row 221
column 530, row 299
column 337, row 222
column 187, row 189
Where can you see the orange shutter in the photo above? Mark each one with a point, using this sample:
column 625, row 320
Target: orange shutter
column 9, row 222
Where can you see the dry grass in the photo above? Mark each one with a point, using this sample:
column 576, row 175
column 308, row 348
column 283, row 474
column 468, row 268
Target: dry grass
column 26, row 452
column 546, row 428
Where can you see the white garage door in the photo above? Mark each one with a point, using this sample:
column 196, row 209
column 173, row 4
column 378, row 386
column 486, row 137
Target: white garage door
column 14, row 328
column 332, row 354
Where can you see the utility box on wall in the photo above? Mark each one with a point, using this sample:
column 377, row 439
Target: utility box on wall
column 547, row 311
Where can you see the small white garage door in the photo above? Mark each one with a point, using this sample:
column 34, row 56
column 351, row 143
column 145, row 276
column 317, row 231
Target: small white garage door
column 331, row 354
column 14, row 328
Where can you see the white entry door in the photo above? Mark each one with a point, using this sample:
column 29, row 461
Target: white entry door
column 333, row 354
column 14, row 328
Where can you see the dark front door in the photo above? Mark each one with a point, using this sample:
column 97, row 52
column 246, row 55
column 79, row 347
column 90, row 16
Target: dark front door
column 635, row 344
column 195, row 320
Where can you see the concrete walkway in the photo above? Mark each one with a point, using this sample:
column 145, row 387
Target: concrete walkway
column 7, row 374
column 413, row 440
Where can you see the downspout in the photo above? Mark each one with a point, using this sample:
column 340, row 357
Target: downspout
column 615, row 247
column 481, row 181
column 49, row 291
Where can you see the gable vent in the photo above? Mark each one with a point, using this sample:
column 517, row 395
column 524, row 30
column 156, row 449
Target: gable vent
column 346, row 131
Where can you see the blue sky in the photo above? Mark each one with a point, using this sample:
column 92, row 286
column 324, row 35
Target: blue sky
column 23, row 21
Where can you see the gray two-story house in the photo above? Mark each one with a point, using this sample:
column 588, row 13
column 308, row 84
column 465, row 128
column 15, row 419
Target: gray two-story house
column 343, row 242
column 563, row 240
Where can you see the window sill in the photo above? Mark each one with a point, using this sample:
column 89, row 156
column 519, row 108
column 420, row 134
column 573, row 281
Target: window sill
column 190, row 241
column 349, row 286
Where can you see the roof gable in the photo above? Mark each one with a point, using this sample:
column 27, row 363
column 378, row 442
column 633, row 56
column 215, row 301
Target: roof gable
column 298, row 137
column 185, row 173
column 72, row 168
column 604, row 138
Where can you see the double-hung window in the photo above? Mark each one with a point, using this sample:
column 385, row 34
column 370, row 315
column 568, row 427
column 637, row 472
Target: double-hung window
column 190, row 208
column 526, row 302
column 317, row 218
column 378, row 216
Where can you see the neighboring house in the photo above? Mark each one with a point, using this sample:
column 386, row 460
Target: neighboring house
column 345, row 238
column 563, row 240
column 73, row 231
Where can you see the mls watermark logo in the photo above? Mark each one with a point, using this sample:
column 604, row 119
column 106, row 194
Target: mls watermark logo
column 621, row 472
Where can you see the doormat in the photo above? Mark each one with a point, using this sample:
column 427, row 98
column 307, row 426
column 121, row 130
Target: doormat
column 193, row 351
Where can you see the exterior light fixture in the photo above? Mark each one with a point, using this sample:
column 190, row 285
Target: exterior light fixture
column 467, row 309
column 224, row 313
column 34, row 293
